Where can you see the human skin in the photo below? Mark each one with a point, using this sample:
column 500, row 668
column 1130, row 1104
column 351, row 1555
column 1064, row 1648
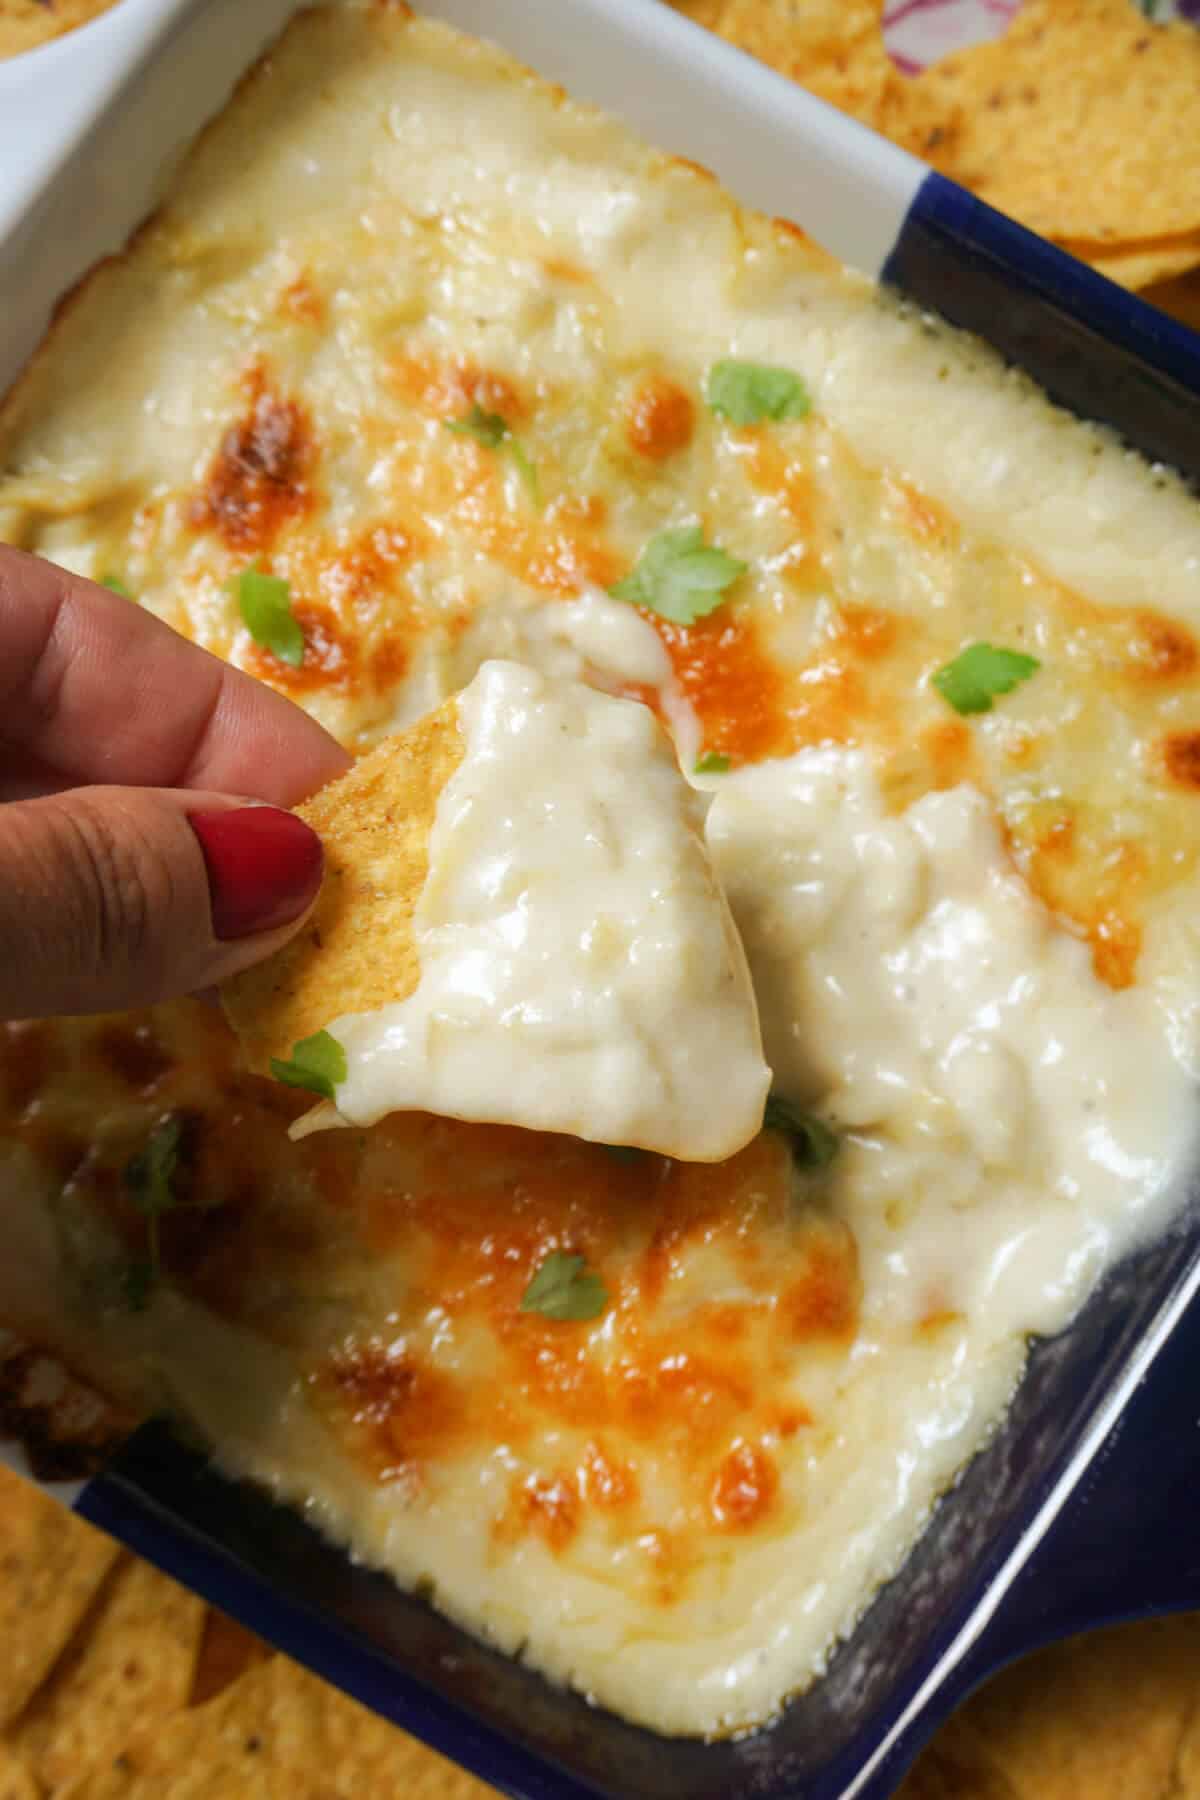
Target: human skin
column 145, row 845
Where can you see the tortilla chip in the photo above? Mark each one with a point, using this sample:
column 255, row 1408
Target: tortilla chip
column 834, row 48
column 51, row 1568
column 16, row 1782
column 277, row 1734
column 227, row 1651
column 956, row 1766
column 132, row 1664
column 375, row 824
column 1083, row 121
column 1179, row 298
column 1140, row 266
column 1102, row 1716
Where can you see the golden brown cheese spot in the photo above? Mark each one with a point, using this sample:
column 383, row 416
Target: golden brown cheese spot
column 678, row 1381
column 446, row 388
column 870, row 632
column 66, row 1429
column 1181, row 758
column 606, row 1482
column 659, row 418
column 1097, row 886
column 788, row 478
column 262, row 473
column 1116, row 942
column 694, row 168
column 1160, row 649
column 547, row 1506
column 735, row 687
column 921, row 517
column 402, row 1412
column 745, row 1488
column 823, row 1302
column 569, row 550
column 950, row 750
column 559, row 269
column 942, row 1319
column 332, row 654
column 302, row 302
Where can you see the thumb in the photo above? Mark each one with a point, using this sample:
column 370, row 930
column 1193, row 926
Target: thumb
column 115, row 897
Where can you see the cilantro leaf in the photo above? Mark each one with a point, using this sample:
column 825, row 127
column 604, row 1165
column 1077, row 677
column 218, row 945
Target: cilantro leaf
column 679, row 576
column 265, row 604
column 492, row 430
column 149, row 1178
column 525, row 469
column 711, row 762
column 149, row 1174
column 746, row 393
column 116, row 585
column 971, row 682
column 318, row 1064
column 814, row 1144
column 565, row 1288
column 487, row 428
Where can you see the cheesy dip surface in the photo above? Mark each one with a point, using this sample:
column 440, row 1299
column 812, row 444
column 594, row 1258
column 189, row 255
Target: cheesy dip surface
column 972, row 932
column 578, row 967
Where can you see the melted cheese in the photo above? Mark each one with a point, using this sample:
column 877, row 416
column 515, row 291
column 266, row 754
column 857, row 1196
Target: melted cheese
column 680, row 1506
column 914, row 991
column 578, row 968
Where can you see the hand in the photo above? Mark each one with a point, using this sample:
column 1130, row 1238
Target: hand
column 133, row 864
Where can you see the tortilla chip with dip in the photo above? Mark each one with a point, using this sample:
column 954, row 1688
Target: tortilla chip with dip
column 519, row 925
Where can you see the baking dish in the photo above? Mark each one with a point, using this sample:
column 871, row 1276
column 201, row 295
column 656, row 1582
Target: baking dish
column 947, row 1615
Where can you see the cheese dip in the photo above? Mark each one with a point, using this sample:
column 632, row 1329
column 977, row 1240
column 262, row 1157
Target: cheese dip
column 579, row 970
column 473, row 376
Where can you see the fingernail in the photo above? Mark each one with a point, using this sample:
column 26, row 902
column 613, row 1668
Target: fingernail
column 264, row 867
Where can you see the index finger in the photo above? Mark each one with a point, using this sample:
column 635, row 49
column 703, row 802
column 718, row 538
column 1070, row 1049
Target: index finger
column 102, row 691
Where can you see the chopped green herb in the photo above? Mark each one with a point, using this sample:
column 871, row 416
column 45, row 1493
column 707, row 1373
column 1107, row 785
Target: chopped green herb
column 971, row 682
column 117, row 585
column 149, row 1174
column 318, row 1064
column 492, row 430
column 265, row 604
column 149, row 1178
column 712, row 762
column 525, row 470
column 487, row 428
column 814, row 1144
column 746, row 393
column 679, row 576
column 565, row 1288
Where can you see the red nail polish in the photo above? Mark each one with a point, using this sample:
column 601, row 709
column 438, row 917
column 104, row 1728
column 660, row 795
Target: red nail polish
column 264, row 866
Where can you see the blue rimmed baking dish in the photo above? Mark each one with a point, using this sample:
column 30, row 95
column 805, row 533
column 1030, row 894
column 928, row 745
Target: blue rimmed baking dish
column 1065, row 1519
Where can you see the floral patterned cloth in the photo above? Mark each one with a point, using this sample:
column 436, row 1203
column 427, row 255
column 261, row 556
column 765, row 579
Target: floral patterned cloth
column 919, row 31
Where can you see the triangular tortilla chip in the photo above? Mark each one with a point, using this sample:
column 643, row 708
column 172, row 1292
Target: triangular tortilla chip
column 51, row 1568
column 1083, row 121
column 132, row 1664
column 357, row 952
